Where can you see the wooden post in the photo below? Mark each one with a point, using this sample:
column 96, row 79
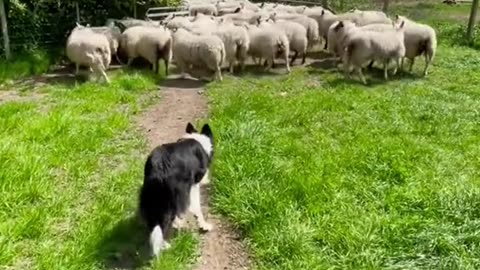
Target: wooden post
column 471, row 21
column 78, row 11
column 6, row 39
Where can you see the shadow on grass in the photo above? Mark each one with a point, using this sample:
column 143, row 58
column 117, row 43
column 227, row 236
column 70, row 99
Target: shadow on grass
column 125, row 246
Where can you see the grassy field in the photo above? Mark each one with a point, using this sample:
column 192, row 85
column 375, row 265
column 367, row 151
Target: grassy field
column 319, row 172
column 72, row 164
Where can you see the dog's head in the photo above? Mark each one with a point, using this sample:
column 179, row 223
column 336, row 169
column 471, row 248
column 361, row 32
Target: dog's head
column 204, row 137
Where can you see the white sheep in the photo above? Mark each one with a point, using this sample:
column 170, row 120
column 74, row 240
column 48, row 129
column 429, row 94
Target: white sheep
column 236, row 42
column 297, row 37
column 85, row 47
column 150, row 43
column 339, row 32
column 113, row 34
column 363, row 46
column 268, row 42
column 175, row 22
column 308, row 23
column 207, row 9
column 419, row 39
column 198, row 50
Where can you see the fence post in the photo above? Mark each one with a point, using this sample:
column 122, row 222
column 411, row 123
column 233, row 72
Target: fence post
column 471, row 21
column 134, row 9
column 78, row 11
column 6, row 39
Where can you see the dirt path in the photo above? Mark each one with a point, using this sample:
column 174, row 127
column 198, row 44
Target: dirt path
column 181, row 101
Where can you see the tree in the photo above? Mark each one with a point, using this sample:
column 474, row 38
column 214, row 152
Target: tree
column 385, row 5
column 471, row 21
column 3, row 20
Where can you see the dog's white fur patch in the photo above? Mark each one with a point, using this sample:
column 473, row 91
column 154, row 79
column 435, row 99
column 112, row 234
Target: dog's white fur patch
column 156, row 240
column 203, row 140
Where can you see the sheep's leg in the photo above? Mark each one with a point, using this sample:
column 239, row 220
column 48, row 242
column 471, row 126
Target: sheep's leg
column 104, row 75
column 402, row 61
column 287, row 66
column 269, row 64
column 370, row 66
column 231, row 66
column 218, row 73
column 129, row 62
column 412, row 61
column 326, row 44
column 294, row 57
column 428, row 59
column 397, row 66
column 166, row 66
column 155, row 67
column 360, row 74
column 77, row 69
column 385, row 69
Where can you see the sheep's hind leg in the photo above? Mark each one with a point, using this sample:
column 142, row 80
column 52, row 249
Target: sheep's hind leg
column 360, row 74
column 294, row 57
column 412, row 61
column 385, row 69
column 397, row 66
column 218, row 74
column 428, row 59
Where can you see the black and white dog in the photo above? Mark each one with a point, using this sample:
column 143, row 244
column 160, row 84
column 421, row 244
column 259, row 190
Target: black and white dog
column 173, row 174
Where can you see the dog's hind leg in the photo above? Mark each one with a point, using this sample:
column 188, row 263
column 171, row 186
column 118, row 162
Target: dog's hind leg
column 196, row 208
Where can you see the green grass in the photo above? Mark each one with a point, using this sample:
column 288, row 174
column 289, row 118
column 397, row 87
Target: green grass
column 26, row 64
column 72, row 164
column 320, row 172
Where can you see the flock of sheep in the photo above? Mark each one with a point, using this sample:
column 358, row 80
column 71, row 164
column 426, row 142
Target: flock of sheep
column 226, row 34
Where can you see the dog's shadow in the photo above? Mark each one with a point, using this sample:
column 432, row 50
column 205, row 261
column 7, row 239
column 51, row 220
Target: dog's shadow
column 125, row 246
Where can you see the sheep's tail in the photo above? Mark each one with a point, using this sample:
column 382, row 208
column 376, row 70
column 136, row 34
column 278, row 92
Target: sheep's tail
column 156, row 240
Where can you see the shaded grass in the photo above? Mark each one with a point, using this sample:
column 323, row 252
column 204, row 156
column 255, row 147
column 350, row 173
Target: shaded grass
column 320, row 172
column 71, row 168
column 27, row 64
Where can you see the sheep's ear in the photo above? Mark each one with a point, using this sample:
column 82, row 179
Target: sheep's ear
column 262, row 4
column 190, row 128
column 237, row 10
column 402, row 24
column 397, row 17
column 207, row 131
column 323, row 12
column 339, row 25
column 258, row 20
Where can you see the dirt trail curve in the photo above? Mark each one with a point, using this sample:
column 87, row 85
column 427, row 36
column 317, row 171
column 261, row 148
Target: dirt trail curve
column 181, row 101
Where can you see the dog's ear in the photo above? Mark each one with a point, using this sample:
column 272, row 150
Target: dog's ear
column 207, row 131
column 190, row 128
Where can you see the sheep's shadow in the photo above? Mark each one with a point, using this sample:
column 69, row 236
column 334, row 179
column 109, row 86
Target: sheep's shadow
column 374, row 77
column 124, row 246
column 328, row 64
column 319, row 55
column 182, row 83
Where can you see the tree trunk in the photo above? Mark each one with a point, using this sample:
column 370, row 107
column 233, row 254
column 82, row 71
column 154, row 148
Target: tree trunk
column 385, row 5
column 471, row 21
column 6, row 39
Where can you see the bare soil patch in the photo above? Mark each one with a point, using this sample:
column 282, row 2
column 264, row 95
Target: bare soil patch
column 182, row 101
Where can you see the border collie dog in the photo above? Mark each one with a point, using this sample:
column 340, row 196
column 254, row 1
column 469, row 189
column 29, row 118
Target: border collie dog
column 173, row 174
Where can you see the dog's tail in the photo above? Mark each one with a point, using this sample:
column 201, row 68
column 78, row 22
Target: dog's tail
column 156, row 240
